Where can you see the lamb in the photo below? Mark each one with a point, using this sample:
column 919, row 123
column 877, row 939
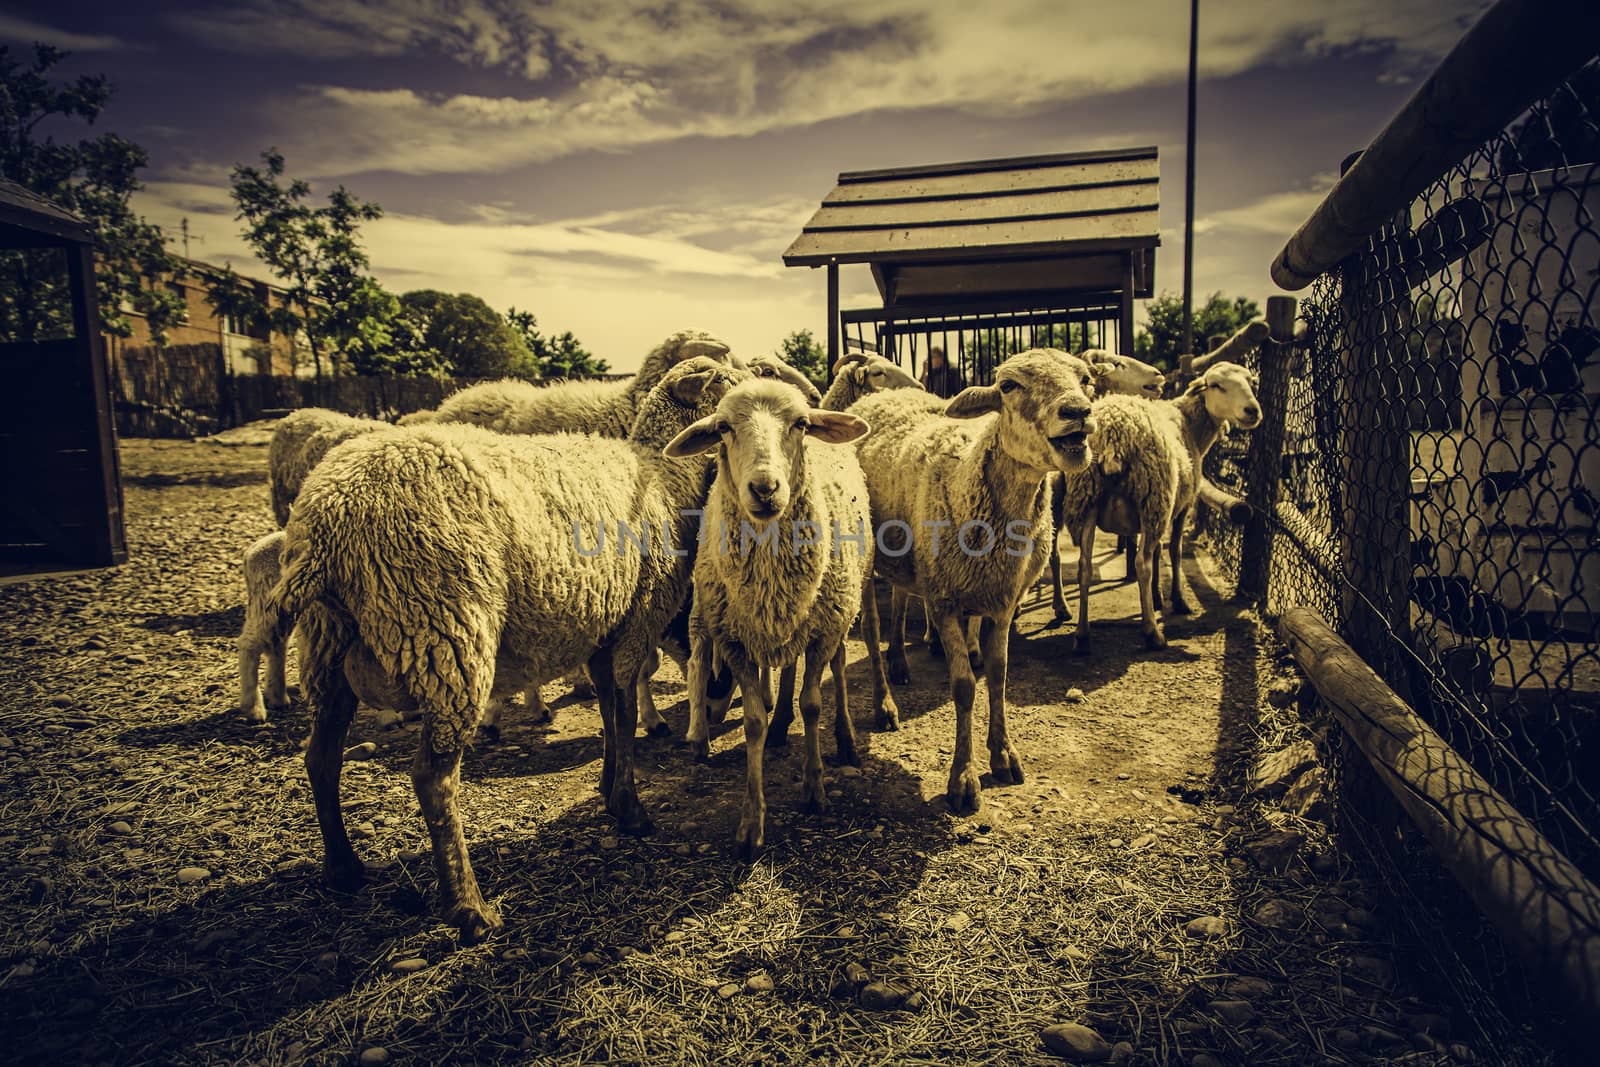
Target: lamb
column 258, row 638
column 858, row 374
column 932, row 476
column 1145, row 478
column 777, row 576
column 607, row 408
column 773, row 367
column 435, row 566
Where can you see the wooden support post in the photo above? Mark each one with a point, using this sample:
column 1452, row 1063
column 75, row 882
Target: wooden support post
column 1375, row 444
column 110, row 541
column 833, row 318
column 1125, row 316
column 1543, row 905
column 1266, row 451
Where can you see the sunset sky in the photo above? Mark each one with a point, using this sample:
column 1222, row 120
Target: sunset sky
column 626, row 170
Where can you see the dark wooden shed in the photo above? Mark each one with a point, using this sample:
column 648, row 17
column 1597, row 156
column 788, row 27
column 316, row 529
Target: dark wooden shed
column 985, row 257
column 62, row 490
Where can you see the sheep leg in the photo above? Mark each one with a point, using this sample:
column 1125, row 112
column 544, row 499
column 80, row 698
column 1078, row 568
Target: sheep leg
column 1003, row 760
column 930, row 631
column 885, row 711
column 1149, row 546
column 766, row 687
column 782, row 714
column 542, row 715
column 975, row 642
column 1180, row 606
column 655, row 725
column 249, row 684
column 812, row 796
column 753, row 817
column 1155, row 579
column 699, row 736
column 489, row 724
column 1085, row 562
column 899, row 603
column 334, row 704
column 844, row 729
column 259, row 638
column 436, row 777
column 1129, row 548
column 1058, row 600
column 965, row 791
column 618, row 721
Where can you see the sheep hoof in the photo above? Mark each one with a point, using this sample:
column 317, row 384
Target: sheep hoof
column 635, row 822
column 345, row 876
column 777, row 744
column 583, row 690
column 1180, row 607
column 1006, row 767
column 889, row 716
column 845, row 754
column 1155, row 639
column 491, row 734
column 278, row 703
column 660, row 729
column 965, row 794
column 701, row 749
column 256, row 714
column 1081, row 645
column 475, row 921
column 812, row 798
column 899, row 673
column 1063, row 613
column 749, row 839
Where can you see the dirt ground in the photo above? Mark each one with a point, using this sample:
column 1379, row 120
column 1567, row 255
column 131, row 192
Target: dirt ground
column 162, row 900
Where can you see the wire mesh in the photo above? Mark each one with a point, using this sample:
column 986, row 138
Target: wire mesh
column 1440, row 489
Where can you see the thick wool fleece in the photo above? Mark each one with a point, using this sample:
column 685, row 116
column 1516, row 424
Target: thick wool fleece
column 299, row 441
column 455, row 561
column 920, row 465
column 606, row 408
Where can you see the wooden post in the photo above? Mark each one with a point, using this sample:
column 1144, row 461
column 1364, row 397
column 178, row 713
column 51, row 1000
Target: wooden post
column 110, row 543
column 1266, row 451
column 1543, row 905
column 1125, row 316
column 833, row 318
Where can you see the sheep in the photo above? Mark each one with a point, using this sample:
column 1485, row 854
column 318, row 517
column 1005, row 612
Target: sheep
column 257, row 639
column 774, row 367
column 1145, row 477
column 776, row 576
column 606, row 408
column 1114, row 374
column 433, row 566
column 299, row 441
column 857, row 374
column 933, row 476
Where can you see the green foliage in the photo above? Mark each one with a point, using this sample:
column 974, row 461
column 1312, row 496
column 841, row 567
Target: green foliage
column 802, row 352
column 94, row 179
column 555, row 357
column 468, row 337
column 1160, row 341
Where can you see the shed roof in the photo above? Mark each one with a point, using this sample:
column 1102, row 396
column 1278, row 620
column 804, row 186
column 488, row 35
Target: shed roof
column 21, row 209
column 1079, row 203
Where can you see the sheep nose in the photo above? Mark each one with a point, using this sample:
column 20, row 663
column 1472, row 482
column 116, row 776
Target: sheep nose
column 763, row 486
column 1252, row 412
column 1072, row 411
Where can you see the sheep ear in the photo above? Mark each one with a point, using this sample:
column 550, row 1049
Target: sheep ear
column 836, row 427
column 1102, row 370
column 858, row 375
column 697, row 438
column 973, row 401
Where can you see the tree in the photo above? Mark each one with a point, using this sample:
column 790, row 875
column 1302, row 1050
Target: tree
column 95, row 180
column 470, row 337
column 559, row 357
column 316, row 253
column 802, row 352
column 1160, row 341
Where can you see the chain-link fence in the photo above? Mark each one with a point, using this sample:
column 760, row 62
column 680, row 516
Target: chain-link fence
column 1438, row 495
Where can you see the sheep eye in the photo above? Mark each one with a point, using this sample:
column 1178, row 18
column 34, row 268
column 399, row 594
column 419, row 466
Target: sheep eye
column 1008, row 385
column 723, row 427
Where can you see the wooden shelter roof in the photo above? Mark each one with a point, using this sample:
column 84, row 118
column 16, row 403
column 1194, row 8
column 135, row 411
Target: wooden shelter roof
column 24, row 212
column 1032, row 207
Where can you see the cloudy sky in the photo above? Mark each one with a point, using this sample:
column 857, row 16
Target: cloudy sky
column 628, row 169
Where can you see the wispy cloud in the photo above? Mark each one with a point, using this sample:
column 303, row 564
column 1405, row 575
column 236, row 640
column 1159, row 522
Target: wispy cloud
column 625, row 77
column 19, row 29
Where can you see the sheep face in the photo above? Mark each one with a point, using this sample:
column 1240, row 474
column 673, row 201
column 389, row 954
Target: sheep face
column 1116, row 373
column 759, row 429
column 874, row 374
column 1042, row 396
column 688, row 344
column 773, row 367
column 1230, row 395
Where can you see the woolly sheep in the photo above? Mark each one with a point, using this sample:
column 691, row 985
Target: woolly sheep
column 929, row 473
column 777, row 576
column 606, row 408
column 857, row 374
column 773, row 367
column 486, row 582
column 258, row 638
column 1145, row 477
column 299, row 441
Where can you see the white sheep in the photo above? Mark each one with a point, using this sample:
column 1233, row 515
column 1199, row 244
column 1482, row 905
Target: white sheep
column 781, row 569
column 1146, row 473
column 434, row 566
column 259, row 638
column 857, row 374
column 600, row 407
column 968, row 494
column 775, row 367
column 299, row 441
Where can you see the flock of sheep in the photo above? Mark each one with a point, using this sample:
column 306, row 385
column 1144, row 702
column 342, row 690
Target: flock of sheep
column 716, row 508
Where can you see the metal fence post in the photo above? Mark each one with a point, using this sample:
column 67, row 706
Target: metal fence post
column 1266, row 451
